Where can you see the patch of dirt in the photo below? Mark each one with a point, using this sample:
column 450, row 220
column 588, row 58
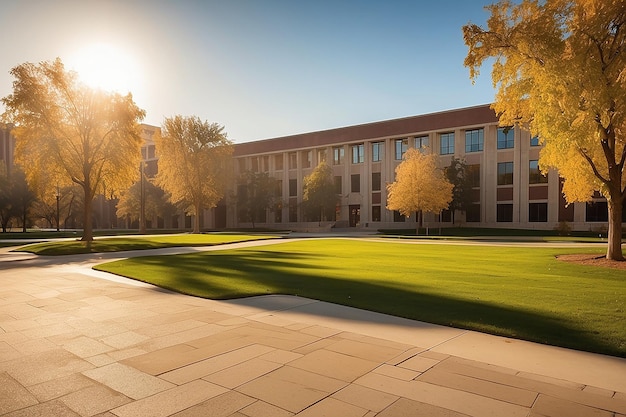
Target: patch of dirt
column 593, row 260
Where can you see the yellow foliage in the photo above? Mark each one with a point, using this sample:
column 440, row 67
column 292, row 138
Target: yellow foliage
column 419, row 186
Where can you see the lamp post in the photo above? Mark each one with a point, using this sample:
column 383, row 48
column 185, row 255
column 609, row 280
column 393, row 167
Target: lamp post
column 58, row 195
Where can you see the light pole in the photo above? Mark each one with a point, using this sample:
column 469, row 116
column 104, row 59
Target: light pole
column 58, row 195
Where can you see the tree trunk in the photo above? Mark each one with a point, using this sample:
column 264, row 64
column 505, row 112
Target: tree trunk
column 196, row 220
column 615, row 206
column 87, row 225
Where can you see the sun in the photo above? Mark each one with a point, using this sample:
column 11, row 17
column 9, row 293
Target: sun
column 107, row 67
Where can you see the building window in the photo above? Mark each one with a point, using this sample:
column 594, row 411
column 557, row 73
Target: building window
column 307, row 159
column 279, row 188
column 401, row 147
column 472, row 214
column 534, row 141
column 321, row 155
column 293, row 160
column 278, row 162
column 446, row 143
column 397, row 217
column 534, row 174
column 506, row 137
column 376, row 213
column 293, row 212
column 266, row 163
column 474, row 140
column 505, row 173
column 293, row 187
column 338, row 187
column 473, row 173
column 538, row 212
column 378, row 151
column 255, row 164
column 358, row 153
column 421, row 143
column 376, row 181
column 597, row 211
column 355, row 183
column 338, row 156
column 504, row 213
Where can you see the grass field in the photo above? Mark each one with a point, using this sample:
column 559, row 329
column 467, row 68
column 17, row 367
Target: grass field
column 125, row 243
column 521, row 292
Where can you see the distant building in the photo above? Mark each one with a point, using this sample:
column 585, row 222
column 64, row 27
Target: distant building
column 7, row 147
column 509, row 190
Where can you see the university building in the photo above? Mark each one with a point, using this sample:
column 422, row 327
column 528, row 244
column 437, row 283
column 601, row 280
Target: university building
column 509, row 191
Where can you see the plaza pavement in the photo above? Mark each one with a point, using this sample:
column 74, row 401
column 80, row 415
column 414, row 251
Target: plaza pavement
column 76, row 342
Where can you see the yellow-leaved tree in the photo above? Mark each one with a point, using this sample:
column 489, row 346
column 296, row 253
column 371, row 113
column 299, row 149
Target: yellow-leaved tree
column 420, row 185
column 67, row 133
column 560, row 71
column 194, row 161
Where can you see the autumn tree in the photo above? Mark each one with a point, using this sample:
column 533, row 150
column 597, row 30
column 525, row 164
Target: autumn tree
column 420, row 185
column 257, row 192
column 319, row 198
column 69, row 133
column 559, row 72
column 156, row 201
column 22, row 197
column 193, row 163
column 457, row 174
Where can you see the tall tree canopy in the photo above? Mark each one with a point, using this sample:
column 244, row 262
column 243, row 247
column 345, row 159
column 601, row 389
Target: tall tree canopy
column 319, row 199
column 457, row 174
column 560, row 71
column 193, row 163
column 69, row 133
column 420, row 185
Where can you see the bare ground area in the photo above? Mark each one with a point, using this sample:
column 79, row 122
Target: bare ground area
column 594, row 260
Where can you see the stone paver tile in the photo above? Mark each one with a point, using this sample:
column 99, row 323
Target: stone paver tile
column 100, row 360
column 364, row 350
column 269, row 318
column 419, row 363
column 13, row 338
column 124, row 340
column 334, row 365
column 320, row 331
column 329, row 407
column 443, row 397
column 280, row 356
column 52, row 364
column 13, row 396
column 407, row 354
column 365, row 397
column 263, row 409
column 434, row 355
column 182, row 337
column 397, row 372
column 169, row 328
column 93, row 400
column 489, row 389
column 599, row 391
column 242, row 373
column 312, row 347
column 161, row 360
column 54, row 408
column 9, row 324
column 556, row 407
column 85, row 347
column 409, row 408
column 55, row 388
column 551, row 381
column 122, row 354
column 291, row 389
column 8, row 352
column 376, row 341
column 214, row 364
column 31, row 347
column 49, row 331
column 224, row 405
column 129, row 381
column 171, row 401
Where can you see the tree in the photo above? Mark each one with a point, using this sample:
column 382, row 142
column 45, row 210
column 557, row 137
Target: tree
column 457, row 173
column 156, row 201
column 319, row 198
column 257, row 192
column 22, row 197
column 559, row 72
column 69, row 133
column 419, row 186
column 194, row 159
column 6, row 206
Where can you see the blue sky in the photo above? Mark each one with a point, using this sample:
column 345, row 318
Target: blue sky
column 262, row 68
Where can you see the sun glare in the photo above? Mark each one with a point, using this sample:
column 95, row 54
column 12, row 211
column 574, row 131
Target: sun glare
column 106, row 67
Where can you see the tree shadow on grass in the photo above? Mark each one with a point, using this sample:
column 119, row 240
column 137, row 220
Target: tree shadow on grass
column 219, row 275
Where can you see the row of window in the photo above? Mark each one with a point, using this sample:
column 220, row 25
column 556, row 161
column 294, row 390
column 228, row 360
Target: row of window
column 474, row 142
column 505, row 173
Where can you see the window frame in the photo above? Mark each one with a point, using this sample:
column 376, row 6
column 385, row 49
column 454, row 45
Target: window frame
column 506, row 142
column 506, row 177
column 446, row 138
column 474, row 140
column 358, row 153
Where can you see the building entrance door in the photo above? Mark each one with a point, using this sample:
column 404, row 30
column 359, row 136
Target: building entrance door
column 355, row 215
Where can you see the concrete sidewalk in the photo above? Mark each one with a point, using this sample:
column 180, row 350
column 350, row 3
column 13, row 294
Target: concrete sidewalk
column 72, row 343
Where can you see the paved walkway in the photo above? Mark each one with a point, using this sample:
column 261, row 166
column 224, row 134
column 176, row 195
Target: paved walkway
column 76, row 342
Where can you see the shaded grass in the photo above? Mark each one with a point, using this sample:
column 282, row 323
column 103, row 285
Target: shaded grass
column 125, row 243
column 511, row 291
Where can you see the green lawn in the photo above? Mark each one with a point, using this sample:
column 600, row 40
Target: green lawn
column 518, row 292
column 124, row 243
